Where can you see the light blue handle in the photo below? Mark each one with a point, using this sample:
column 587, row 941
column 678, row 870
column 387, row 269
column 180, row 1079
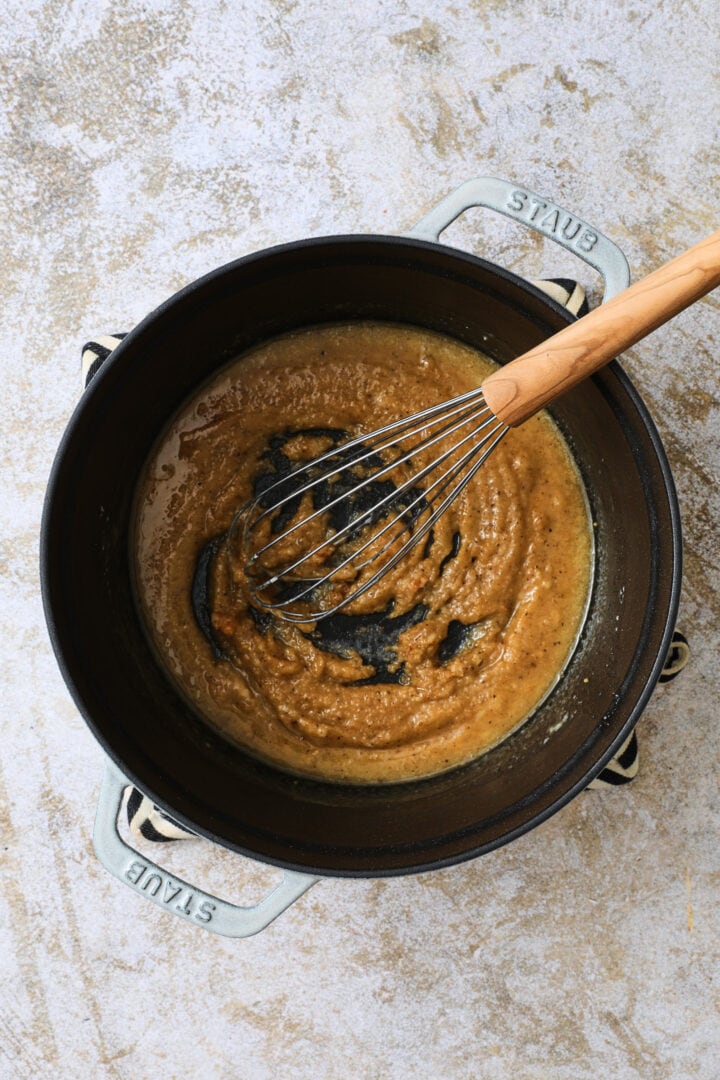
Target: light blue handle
column 172, row 893
column 540, row 214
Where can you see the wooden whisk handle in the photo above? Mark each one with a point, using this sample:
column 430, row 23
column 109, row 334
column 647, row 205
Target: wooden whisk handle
column 526, row 384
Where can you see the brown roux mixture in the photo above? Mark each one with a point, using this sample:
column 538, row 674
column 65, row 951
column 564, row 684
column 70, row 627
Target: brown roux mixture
column 469, row 632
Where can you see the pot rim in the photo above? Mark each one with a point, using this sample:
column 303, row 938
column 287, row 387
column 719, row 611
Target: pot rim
column 566, row 795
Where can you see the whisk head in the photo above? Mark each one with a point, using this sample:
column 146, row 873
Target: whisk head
column 319, row 537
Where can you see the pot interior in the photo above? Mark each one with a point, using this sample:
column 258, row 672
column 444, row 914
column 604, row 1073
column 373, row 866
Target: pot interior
column 154, row 735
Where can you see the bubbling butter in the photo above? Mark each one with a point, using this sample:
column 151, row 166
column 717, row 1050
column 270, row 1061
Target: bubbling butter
column 441, row 659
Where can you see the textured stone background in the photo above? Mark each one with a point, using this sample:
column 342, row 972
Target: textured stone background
column 142, row 144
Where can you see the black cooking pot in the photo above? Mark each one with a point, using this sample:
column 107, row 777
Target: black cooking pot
column 135, row 711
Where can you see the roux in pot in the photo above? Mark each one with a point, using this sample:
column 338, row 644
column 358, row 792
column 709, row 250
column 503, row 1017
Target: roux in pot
column 438, row 661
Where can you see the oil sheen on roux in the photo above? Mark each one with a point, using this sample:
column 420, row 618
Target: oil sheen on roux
column 440, row 660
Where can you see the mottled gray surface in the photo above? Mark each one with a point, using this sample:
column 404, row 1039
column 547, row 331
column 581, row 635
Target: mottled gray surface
column 142, row 144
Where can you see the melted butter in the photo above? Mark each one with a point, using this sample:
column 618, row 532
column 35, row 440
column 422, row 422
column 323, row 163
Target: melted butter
column 441, row 659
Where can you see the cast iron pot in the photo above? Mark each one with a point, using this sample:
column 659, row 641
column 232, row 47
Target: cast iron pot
column 150, row 734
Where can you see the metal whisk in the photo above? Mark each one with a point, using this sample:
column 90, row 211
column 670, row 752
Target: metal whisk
column 320, row 537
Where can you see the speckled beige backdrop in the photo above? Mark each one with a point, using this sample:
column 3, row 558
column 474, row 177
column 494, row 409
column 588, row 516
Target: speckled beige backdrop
column 142, row 144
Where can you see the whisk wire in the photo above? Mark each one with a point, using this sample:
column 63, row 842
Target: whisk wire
column 390, row 497
column 393, row 496
column 429, row 495
column 398, row 429
column 297, row 617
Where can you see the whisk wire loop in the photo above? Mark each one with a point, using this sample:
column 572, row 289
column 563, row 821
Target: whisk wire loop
column 485, row 433
column 289, row 615
column 392, row 496
column 398, row 429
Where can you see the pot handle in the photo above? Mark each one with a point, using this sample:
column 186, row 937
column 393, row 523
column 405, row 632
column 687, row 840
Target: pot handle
column 172, row 893
column 540, row 214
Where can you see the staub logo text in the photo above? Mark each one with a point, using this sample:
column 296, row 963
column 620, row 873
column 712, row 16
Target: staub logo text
column 551, row 220
column 168, row 892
